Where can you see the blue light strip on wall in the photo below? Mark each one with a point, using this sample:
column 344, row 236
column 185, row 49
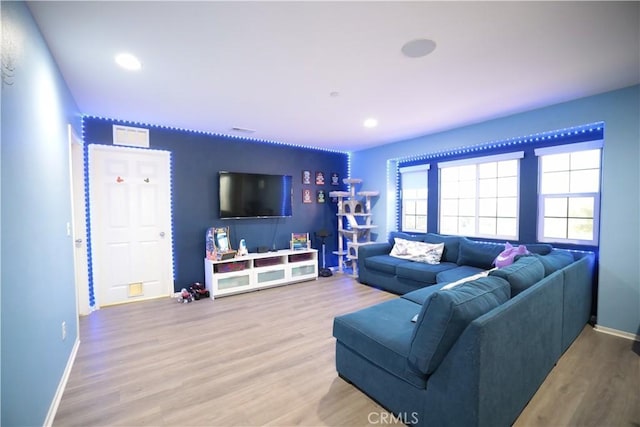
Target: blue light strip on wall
column 173, row 240
column 594, row 130
column 87, row 211
column 396, row 173
column 585, row 132
column 219, row 135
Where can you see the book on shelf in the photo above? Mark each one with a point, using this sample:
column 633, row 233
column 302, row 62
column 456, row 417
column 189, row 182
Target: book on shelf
column 300, row 241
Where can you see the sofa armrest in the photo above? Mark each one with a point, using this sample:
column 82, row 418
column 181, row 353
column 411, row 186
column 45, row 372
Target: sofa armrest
column 577, row 299
column 374, row 249
column 366, row 276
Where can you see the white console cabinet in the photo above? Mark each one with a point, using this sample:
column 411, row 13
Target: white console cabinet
column 260, row 270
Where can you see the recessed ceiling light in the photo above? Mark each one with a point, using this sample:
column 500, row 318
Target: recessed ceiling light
column 128, row 61
column 370, row 123
column 418, row 48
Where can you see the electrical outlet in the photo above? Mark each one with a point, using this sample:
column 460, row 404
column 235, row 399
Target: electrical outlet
column 64, row 330
column 68, row 229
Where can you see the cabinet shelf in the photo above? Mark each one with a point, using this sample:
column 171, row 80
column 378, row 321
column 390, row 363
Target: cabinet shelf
column 257, row 271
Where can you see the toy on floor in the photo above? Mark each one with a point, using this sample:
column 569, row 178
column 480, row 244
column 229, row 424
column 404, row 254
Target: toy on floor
column 185, row 296
column 198, row 291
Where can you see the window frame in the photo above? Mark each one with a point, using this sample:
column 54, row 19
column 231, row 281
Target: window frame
column 543, row 197
column 402, row 170
column 477, row 161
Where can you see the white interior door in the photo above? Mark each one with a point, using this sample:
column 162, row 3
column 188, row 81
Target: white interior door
column 130, row 224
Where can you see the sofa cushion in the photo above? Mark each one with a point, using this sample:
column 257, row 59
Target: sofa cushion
column 446, row 314
column 384, row 263
column 382, row 334
column 478, row 254
column 539, row 248
column 417, row 251
column 522, row 274
column 419, row 296
column 451, row 245
column 457, row 273
column 555, row 260
column 421, row 272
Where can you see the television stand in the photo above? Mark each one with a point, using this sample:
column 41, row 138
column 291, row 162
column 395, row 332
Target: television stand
column 259, row 270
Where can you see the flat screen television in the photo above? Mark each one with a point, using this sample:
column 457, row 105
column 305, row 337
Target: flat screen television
column 253, row 195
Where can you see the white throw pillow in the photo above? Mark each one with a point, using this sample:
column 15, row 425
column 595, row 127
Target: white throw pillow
column 429, row 253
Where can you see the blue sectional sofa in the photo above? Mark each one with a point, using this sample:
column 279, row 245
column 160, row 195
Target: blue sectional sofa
column 462, row 257
column 476, row 352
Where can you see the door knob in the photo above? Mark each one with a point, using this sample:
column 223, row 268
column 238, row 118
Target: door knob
column 162, row 234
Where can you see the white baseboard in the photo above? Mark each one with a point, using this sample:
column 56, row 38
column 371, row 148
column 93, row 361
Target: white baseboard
column 617, row 333
column 53, row 409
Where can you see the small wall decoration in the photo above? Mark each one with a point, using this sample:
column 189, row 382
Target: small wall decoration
column 319, row 178
column 306, row 177
column 321, row 196
column 335, row 178
column 306, row 196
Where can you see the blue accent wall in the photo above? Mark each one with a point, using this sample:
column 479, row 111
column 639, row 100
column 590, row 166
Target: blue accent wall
column 38, row 289
column 196, row 160
column 619, row 270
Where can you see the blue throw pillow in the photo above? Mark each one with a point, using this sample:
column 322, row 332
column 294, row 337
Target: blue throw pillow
column 478, row 254
column 446, row 314
column 555, row 260
column 539, row 248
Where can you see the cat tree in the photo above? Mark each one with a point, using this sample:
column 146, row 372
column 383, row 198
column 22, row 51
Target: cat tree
column 354, row 223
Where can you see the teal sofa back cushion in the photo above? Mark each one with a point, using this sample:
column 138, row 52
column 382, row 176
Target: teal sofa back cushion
column 446, row 314
column 555, row 260
column 522, row 274
column 478, row 254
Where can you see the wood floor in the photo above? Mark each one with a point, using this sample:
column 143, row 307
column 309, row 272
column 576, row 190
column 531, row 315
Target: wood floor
column 267, row 358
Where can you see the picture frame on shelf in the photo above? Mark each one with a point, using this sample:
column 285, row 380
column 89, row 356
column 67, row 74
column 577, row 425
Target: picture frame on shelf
column 321, row 196
column 300, row 241
column 335, row 178
column 319, row 178
column 222, row 242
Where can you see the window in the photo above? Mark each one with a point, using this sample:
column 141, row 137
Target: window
column 569, row 193
column 479, row 197
column 413, row 196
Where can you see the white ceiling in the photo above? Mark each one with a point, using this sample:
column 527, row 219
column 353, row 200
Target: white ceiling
column 272, row 66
